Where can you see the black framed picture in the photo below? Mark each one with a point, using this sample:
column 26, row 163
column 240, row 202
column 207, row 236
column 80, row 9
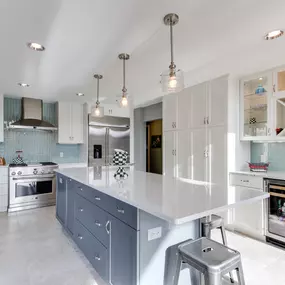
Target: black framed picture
column 156, row 141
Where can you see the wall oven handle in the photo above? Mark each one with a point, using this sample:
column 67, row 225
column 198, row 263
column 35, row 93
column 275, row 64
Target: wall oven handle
column 25, row 179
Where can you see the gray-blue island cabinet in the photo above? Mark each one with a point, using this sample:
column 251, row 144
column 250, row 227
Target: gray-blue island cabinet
column 104, row 228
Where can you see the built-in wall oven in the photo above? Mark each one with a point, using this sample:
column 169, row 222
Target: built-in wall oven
column 275, row 209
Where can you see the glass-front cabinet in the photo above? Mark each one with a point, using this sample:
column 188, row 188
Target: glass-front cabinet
column 256, row 94
column 262, row 103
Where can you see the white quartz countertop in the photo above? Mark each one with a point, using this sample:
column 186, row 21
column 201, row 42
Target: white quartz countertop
column 174, row 200
column 268, row 174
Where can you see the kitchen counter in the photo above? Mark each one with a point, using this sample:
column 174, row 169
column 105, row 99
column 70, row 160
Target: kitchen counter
column 174, row 200
column 268, row 174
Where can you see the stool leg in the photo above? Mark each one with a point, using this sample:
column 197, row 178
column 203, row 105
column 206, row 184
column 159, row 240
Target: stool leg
column 213, row 279
column 224, row 238
column 240, row 275
column 206, row 230
column 172, row 263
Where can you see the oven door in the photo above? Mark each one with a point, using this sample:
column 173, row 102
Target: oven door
column 276, row 211
column 24, row 190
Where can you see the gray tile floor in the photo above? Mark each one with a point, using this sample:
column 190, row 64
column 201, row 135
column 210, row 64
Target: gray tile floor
column 35, row 251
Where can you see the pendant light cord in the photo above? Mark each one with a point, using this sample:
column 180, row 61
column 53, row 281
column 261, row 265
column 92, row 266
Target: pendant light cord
column 97, row 103
column 171, row 43
column 124, row 77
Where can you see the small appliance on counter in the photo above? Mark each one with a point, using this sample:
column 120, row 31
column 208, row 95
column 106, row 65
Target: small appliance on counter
column 18, row 159
column 120, row 158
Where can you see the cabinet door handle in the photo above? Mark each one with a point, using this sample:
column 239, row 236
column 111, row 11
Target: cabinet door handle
column 245, row 181
column 121, row 211
column 81, row 189
column 107, row 227
column 274, row 89
column 207, row 120
column 80, row 237
column 172, row 125
column 80, row 210
column 97, row 257
column 269, row 131
column 60, row 180
column 173, row 152
column 204, row 120
column 98, row 224
column 97, row 198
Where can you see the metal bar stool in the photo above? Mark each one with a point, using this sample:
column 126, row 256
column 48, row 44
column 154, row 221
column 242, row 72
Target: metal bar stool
column 210, row 258
column 214, row 222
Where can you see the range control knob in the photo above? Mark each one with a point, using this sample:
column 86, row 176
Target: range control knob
column 35, row 171
column 42, row 172
column 19, row 173
column 13, row 173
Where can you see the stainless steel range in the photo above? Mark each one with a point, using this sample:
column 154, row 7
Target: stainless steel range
column 31, row 186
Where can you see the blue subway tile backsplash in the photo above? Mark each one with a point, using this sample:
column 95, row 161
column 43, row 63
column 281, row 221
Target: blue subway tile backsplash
column 36, row 145
column 275, row 153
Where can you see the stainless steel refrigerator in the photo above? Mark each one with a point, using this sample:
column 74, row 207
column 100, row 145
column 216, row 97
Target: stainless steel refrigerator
column 105, row 135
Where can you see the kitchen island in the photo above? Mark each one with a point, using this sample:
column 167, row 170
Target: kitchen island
column 125, row 226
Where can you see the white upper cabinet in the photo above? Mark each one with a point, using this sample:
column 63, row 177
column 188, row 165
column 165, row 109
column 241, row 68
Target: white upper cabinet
column 279, row 81
column 116, row 111
column 199, row 105
column 70, row 123
column 170, row 112
column 217, row 102
column 184, row 109
column 1, row 118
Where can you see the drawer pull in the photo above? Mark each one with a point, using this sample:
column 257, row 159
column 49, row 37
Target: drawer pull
column 81, row 189
column 98, row 224
column 107, row 227
column 80, row 237
column 97, row 198
column 245, row 181
column 121, row 211
column 80, row 210
column 97, row 257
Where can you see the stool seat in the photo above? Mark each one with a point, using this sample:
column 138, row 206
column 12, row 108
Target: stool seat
column 208, row 255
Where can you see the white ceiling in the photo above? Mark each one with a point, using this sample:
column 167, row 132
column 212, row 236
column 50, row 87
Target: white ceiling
column 83, row 37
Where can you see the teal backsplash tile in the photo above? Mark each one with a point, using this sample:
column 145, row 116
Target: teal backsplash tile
column 36, row 145
column 276, row 154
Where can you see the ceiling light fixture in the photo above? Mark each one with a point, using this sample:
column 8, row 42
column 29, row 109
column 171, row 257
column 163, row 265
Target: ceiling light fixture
column 36, row 47
column 23, row 84
column 172, row 80
column 274, row 35
column 80, row 94
column 124, row 99
column 96, row 110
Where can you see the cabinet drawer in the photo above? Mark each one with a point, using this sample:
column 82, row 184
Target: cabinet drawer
column 100, row 199
column 93, row 218
column 124, row 212
column 246, row 181
column 96, row 253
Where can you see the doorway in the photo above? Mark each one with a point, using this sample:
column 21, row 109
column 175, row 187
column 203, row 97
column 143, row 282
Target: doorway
column 154, row 146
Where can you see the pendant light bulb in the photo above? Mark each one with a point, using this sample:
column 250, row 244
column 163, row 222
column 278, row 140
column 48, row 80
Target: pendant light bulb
column 124, row 101
column 172, row 83
column 97, row 111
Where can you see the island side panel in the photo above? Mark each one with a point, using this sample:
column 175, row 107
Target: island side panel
column 152, row 251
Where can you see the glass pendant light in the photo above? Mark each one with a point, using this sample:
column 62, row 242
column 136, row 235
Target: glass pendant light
column 124, row 99
column 96, row 110
column 172, row 80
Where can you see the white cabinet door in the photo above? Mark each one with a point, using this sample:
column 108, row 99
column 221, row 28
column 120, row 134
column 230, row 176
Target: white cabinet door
column 217, row 170
column 1, row 118
column 218, row 100
column 199, row 105
column 199, row 155
column 116, row 111
column 183, row 154
column 64, row 123
column 248, row 219
column 184, row 109
column 77, row 123
column 169, row 146
column 170, row 112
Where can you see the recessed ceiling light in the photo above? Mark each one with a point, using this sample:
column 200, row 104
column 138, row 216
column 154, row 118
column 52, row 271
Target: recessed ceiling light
column 23, row 84
column 260, row 78
column 35, row 46
column 274, row 35
column 80, row 94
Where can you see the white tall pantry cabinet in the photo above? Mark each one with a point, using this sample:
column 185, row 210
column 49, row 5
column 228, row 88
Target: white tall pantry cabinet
column 196, row 133
column 1, row 118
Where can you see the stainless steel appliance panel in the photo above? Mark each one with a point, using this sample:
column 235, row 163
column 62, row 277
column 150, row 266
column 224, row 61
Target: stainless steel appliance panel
column 97, row 145
column 119, row 138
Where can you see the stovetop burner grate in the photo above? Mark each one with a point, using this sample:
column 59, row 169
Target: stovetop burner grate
column 17, row 165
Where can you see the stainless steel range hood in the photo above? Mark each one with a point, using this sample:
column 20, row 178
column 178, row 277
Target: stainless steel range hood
column 32, row 116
